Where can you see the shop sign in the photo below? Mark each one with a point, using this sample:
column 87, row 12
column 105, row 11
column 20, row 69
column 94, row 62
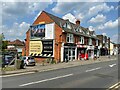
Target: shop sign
column 47, row 47
column 43, row 48
column 90, row 47
column 35, row 47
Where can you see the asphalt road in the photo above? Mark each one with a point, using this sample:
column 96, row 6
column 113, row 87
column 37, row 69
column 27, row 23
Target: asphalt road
column 97, row 75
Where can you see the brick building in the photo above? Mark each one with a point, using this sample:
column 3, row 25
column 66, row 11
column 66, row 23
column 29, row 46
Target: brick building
column 104, row 45
column 51, row 36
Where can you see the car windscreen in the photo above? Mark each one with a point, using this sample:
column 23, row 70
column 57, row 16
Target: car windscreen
column 30, row 57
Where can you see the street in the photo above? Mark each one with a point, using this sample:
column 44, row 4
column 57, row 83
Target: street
column 96, row 75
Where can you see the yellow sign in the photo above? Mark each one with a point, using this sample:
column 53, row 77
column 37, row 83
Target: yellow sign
column 42, row 22
column 35, row 47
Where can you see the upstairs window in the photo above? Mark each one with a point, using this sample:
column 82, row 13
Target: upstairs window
column 70, row 38
column 81, row 40
column 67, row 25
column 96, row 42
column 90, row 41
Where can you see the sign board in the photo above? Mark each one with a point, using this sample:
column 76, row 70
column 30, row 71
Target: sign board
column 37, row 31
column 42, row 31
column 90, row 47
column 49, row 31
column 35, row 47
column 42, row 48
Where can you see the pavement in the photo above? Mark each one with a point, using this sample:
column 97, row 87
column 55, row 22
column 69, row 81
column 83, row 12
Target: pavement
column 47, row 67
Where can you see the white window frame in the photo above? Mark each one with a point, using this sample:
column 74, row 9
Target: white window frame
column 70, row 38
column 67, row 25
column 82, row 40
column 96, row 42
column 90, row 41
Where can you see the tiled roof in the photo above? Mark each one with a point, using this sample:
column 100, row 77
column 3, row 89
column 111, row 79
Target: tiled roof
column 16, row 42
column 60, row 22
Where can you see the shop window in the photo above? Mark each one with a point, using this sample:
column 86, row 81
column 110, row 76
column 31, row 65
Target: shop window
column 70, row 38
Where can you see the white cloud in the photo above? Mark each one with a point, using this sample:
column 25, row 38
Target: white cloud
column 14, row 10
column 98, row 18
column 115, row 39
column 109, row 25
column 82, row 10
column 104, row 34
column 70, row 17
column 98, row 8
column 16, row 31
column 91, row 28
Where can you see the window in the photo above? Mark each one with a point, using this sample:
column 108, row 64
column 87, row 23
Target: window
column 77, row 30
column 90, row 41
column 67, row 25
column 70, row 38
column 96, row 42
column 81, row 40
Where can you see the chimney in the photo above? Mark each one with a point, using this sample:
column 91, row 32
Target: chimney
column 77, row 22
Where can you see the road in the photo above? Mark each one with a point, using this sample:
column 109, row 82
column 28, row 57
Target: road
column 97, row 75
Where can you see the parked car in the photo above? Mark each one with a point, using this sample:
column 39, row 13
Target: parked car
column 28, row 60
column 7, row 59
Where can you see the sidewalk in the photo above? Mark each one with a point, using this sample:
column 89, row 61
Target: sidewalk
column 48, row 67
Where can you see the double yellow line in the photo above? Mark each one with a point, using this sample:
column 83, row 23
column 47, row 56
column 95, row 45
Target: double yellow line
column 114, row 87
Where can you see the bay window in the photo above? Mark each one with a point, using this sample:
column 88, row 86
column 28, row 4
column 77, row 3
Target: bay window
column 70, row 38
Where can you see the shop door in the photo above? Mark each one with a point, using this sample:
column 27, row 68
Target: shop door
column 70, row 53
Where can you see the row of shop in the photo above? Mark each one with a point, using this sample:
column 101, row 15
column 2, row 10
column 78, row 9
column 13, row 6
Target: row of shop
column 71, row 52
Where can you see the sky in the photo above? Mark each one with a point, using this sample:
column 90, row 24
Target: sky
column 102, row 17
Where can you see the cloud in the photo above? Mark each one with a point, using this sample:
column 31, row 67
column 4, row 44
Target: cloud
column 91, row 28
column 15, row 10
column 110, row 25
column 98, row 8
column 70, row 17
column 99, row 18
column 16, row 31
column 104, row 34
column 115, row 39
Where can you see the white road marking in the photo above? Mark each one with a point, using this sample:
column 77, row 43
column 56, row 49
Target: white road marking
column 17, row 74
column 115, row 85
column 58, row 77
column 93, row 69
column 112, row 65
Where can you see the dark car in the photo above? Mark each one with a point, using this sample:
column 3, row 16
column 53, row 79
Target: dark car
column 7, row 59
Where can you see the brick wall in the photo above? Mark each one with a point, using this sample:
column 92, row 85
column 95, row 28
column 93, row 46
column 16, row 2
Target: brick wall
column 43, row 17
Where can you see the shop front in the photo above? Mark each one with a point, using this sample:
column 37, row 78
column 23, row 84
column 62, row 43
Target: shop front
column 90, row 50
column 69, row 52
column 97, row 51
column 81, row 52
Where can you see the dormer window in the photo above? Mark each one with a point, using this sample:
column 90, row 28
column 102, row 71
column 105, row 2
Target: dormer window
column 88, row 32
column 67, row 25
column 77, row 30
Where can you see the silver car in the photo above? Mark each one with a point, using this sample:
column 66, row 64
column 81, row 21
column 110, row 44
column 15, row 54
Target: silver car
column 28, row 60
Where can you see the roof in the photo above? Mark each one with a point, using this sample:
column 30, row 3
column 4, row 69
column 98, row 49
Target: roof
column 60, row 22
column 16, row 42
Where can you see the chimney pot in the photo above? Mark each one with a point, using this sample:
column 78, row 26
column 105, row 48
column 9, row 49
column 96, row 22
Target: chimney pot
column 77, row 22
